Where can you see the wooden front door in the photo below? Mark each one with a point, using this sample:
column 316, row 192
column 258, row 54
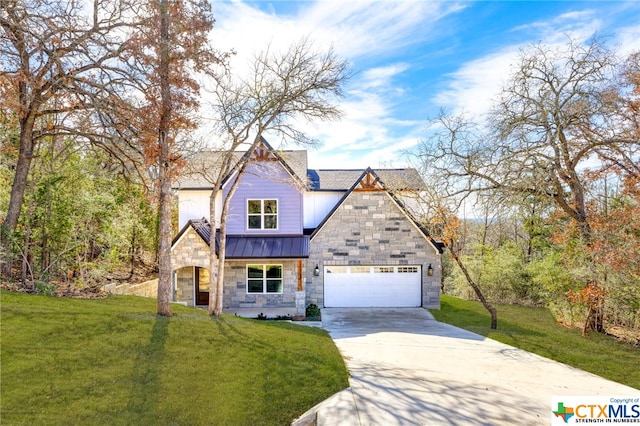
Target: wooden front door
column 201, row 278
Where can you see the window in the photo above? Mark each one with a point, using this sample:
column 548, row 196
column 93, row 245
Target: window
column 262, row 214
column 264, row 278
column 407, row 269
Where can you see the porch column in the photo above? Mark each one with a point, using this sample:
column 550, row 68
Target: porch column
column 300, row 294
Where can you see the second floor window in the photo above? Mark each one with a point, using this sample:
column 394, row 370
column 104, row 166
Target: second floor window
column 262, row 214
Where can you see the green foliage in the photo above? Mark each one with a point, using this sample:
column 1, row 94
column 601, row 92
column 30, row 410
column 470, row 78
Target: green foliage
column 80, row 221
column 113, row 361
column 535, row 329
column 500, row 272
column 45, row 288
column 312, row 312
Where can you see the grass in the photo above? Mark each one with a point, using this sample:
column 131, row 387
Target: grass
column 113, row 361
column 536, row 330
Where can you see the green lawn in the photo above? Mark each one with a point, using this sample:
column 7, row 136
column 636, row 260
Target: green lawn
column 113, row 361
column 535, row 330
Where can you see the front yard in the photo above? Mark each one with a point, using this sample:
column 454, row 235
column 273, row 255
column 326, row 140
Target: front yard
column 113, row 361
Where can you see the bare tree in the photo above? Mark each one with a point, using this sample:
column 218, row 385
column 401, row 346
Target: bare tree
column 297, row 84
column 554, row 115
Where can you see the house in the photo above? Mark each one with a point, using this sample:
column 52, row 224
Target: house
column 295, row 236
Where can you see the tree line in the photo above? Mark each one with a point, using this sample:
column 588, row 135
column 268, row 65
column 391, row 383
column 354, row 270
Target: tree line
column 551, row 176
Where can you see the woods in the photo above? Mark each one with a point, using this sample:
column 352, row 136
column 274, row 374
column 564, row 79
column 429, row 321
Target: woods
column 537, row 203
column 556, row 159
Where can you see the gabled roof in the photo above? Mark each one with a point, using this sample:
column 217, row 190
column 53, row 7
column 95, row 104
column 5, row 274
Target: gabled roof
column 369, row 180
column 203, row 166
column 251, row 246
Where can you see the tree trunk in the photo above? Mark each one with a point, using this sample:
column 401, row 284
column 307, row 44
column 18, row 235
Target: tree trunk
column 164, row 163
column 16, row 199
column 213, row 257
column 217, row 304
column 476, row 289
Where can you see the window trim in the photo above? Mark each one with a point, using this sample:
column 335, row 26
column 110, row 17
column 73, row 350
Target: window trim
column 262, row 214
column 264, row 278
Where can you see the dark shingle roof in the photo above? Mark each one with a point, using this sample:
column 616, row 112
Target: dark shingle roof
column 203, row 167
column 343, row 180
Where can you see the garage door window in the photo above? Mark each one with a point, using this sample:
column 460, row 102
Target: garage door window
column 407, row 269
column 264, row 278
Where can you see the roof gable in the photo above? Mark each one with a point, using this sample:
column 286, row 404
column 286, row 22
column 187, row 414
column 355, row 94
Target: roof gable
column 203, row 166
column 369, row 181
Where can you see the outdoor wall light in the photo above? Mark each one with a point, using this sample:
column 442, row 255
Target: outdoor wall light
column 316, row 271
column 430, row 270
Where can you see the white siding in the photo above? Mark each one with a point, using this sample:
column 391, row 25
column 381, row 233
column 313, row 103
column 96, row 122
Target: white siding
column 317, row 206
column 194, row 204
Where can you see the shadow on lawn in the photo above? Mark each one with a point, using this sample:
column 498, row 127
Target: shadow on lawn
column 145, row 378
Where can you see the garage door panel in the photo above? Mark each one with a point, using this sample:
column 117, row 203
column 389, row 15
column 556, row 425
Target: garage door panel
column 382, row 286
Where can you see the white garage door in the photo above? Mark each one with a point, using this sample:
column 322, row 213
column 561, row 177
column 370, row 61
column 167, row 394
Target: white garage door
column 372, row 286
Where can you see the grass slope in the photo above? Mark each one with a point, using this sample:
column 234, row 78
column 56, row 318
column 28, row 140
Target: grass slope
column 536, row 330
column 113, row 361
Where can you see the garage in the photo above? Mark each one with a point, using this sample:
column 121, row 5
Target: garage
column 372, row 286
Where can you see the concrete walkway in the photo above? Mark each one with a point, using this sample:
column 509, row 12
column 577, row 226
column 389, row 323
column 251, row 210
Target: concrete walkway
column 408, row 369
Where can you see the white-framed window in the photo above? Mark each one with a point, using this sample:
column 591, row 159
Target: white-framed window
column 262, row 214
column 407, row 269
column 264, row 279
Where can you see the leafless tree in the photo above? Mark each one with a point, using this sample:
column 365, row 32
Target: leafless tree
column 554, row 115
column 299, row 83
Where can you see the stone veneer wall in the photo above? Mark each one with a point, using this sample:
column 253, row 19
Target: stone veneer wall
column 369, row 228
column 184, row 291
column 190, row 250
column 235, row 286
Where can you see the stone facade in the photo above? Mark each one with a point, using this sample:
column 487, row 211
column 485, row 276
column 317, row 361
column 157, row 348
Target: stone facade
column 189, row 250
column 184, row 286
column 235, row 286
column 369, row 228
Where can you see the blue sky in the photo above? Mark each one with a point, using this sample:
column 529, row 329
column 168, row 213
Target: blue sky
column 411, row 59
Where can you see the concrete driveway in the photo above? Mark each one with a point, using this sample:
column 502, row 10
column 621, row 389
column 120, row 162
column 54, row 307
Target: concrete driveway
column 408, row 369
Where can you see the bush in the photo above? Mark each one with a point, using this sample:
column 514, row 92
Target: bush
column 313, row 312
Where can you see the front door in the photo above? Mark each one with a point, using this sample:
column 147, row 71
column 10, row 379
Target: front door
column 201, row 277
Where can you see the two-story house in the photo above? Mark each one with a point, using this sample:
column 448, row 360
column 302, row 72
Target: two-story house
column 295, row 236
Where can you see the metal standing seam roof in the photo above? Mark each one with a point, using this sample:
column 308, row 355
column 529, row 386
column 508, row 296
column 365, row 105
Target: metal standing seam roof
column 267, row 247
column 253, row 246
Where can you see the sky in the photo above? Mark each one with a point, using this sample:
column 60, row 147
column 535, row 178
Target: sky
column 411, row 59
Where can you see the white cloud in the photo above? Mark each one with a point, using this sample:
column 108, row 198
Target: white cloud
column 382, row 39
column 355, row 29
column 476, row 83
column 474, row 86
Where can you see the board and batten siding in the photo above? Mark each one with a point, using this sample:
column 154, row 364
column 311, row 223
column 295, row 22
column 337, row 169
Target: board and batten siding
column 277, row 184
column 318, row 204
column 193, row 204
